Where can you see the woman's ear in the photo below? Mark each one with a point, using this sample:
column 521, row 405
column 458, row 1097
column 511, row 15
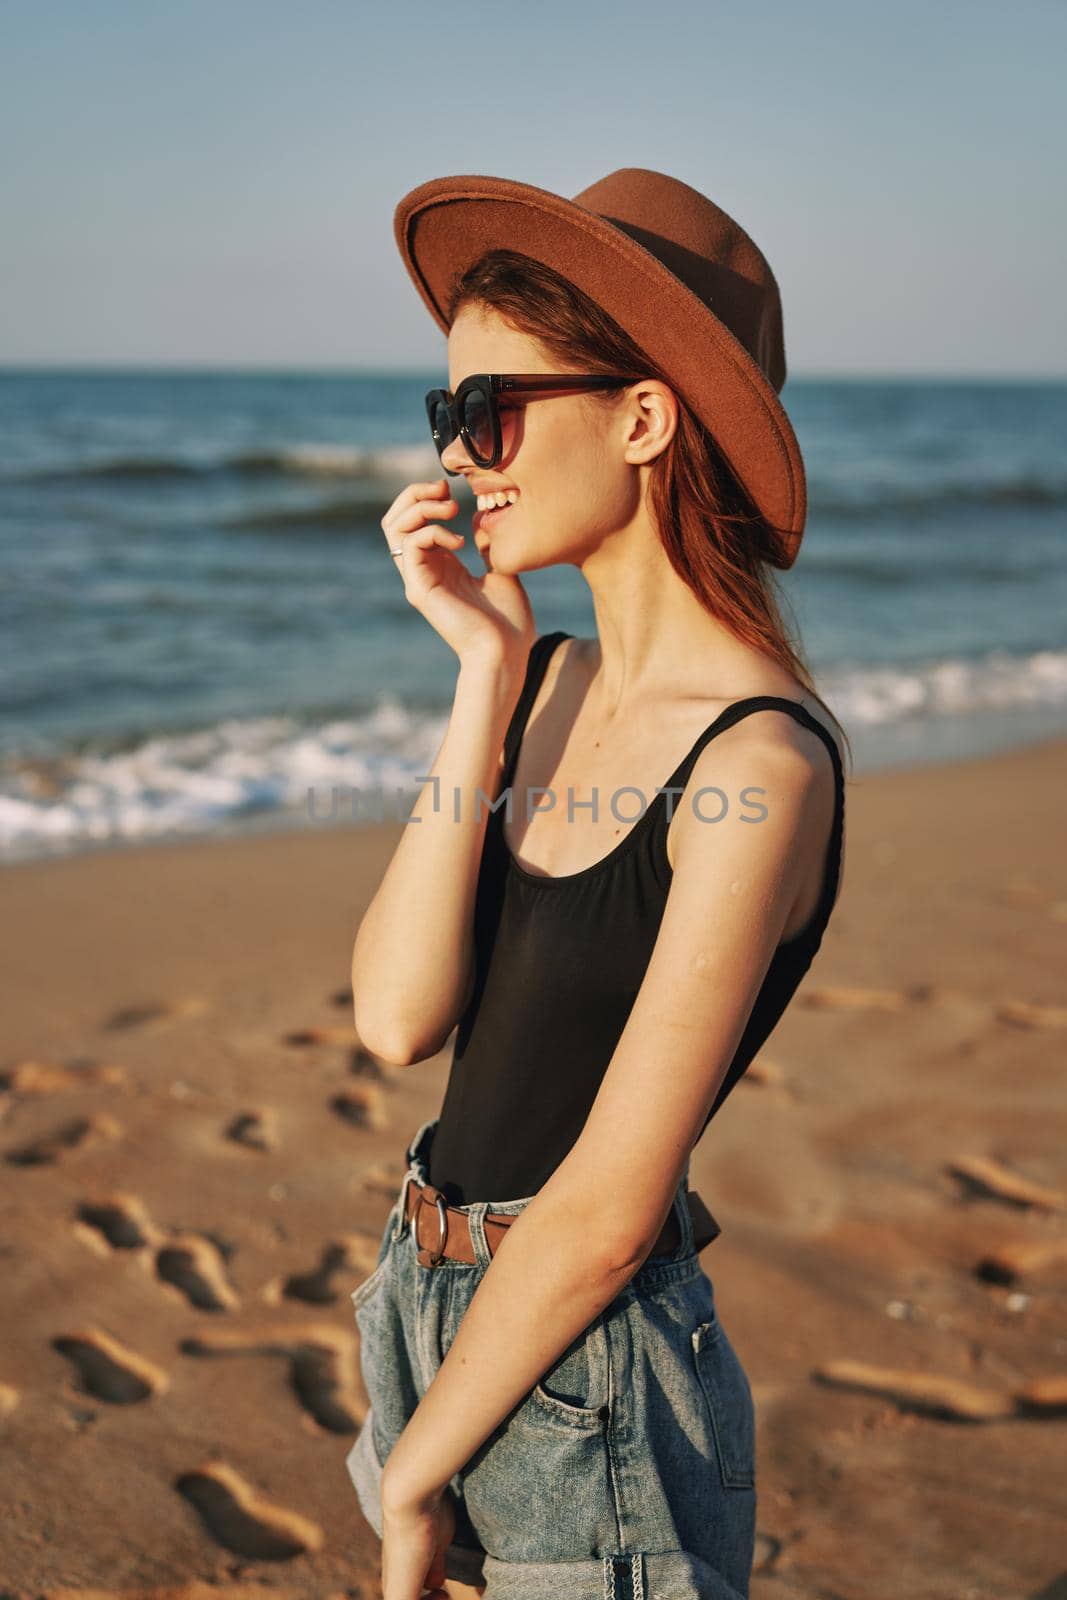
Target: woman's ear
column 651, row 420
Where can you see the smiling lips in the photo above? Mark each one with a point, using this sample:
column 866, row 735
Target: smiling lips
column 491, row 507
column 503, row 497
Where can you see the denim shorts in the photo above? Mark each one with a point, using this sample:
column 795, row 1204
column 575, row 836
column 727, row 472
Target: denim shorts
column 626, row 1473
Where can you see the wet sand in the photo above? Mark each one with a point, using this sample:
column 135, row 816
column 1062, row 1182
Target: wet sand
column 198, row 1159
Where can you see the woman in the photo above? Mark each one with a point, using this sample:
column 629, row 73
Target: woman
column 556, row 1410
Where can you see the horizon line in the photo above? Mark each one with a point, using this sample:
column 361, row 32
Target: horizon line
column 268, row 370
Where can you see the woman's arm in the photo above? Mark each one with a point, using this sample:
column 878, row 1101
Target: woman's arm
column 412, row 963
column 733, row 887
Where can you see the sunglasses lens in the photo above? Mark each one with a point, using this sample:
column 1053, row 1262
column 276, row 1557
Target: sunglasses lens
column 479, row 424
column 441, row 423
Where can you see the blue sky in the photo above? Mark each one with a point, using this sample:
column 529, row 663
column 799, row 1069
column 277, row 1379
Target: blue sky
column 213, row 184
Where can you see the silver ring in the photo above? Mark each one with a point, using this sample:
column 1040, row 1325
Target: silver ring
column 399, row 552
column 442, row 1223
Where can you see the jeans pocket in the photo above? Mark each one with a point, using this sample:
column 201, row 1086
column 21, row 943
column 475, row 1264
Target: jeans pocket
column 539, row 1487
column 729, row 1401
column 574, row 1390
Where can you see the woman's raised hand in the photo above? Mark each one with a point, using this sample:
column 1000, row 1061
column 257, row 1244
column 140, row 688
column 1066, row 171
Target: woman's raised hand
column 477, row 616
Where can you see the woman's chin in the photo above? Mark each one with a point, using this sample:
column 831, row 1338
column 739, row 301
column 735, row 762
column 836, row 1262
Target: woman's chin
column 498, row 558
column 508, row 555
column 503, row 569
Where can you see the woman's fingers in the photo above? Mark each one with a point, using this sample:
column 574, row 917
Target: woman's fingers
column 424, row 538
column 411, row 516
column 414, row 511
column 417, row 500
column 415, row 491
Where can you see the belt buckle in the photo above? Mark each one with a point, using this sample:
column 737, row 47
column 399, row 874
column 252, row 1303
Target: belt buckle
column 434, row 1260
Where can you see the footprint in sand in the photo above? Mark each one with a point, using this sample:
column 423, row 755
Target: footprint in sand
column 109, row 1369
column 1018, row 1013
column 244, row 1521
column 192, row 1263
column 154, row 1011
column 363, row 1065
column 768, row 1550
column 257, row 1129
column 1043, row 1397
column 54, row 1077
column 321, row 1365
column 343, row 997
column 1017, row 1259
column 949, row 1398
column 1028, row 1014
column 119, row 1221
column 357, row 1252
column 323, row 1036
column 82, row 1133
column 840, row 997
column 195, row 1265
column 364, row 1106
column 982, row 1175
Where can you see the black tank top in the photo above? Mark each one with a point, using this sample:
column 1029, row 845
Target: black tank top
column 558, row 963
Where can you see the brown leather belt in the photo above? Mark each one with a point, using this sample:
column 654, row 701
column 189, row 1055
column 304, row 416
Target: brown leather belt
column 441, row 1232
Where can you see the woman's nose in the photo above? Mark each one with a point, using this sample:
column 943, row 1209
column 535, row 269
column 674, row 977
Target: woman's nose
column 454, row 456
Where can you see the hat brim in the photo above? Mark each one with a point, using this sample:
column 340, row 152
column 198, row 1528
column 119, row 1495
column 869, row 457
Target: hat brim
column 446, row 224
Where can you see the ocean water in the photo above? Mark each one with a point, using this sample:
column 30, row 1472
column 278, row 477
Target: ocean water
column 201, row 629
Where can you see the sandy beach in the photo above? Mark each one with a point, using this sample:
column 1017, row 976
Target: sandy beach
column 198, row 1159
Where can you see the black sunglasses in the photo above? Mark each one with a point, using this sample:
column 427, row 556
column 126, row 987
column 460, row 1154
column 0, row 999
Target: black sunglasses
column 478, row 415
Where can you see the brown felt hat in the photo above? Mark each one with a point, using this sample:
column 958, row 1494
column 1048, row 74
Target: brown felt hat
column 682, row 278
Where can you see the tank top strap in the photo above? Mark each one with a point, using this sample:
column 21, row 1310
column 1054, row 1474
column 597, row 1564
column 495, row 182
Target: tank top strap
column 774, row 702
column 536, row 666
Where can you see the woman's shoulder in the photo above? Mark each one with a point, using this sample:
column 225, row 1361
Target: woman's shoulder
column 778, row 741
column 778, row 726
column 772, row 751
